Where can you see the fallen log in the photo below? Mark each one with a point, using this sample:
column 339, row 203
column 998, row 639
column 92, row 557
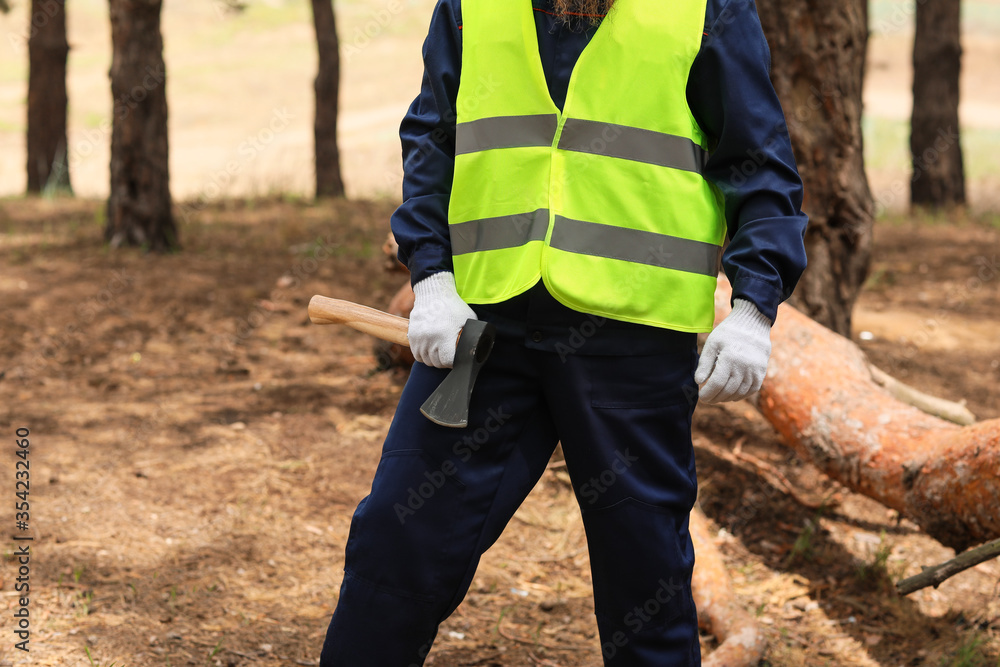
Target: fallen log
column 390, row 250
column 741, row 639
column 820, row 395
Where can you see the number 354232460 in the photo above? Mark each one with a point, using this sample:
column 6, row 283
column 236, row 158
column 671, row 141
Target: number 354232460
column 22, row 475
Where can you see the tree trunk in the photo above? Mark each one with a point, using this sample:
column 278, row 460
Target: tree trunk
column 48, row 164
column 938, row 176
column 818, row 57
column 328, row 179
column 139, row 207
column 820, row 395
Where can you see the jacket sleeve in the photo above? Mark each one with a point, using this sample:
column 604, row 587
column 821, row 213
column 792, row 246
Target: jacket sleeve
column 732, row 98
column 427, row 133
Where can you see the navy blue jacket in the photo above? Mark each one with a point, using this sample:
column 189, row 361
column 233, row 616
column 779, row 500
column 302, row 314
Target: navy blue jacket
column 731, row 96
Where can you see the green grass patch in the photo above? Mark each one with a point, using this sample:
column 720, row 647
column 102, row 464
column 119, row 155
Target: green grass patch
column 972, row 652
column 263, row 16
column 92, row 119
column 13, row 71
column 981, row 18
column 979, row 149
column 931, row 218
column 887, row 143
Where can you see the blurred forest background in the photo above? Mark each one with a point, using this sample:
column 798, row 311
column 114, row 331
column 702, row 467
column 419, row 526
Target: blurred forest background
column 198, row 447
column 231, row 71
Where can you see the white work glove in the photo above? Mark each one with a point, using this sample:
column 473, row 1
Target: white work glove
column 437, row 317
column 734, row 360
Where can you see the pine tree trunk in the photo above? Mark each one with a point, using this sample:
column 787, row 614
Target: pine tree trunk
column 328, row 179
column 139, row 207
column 818, row 52
column 48, row 164
column 938, row 175
column 820, row 395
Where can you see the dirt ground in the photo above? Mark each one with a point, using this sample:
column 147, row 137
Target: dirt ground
column 198, row 447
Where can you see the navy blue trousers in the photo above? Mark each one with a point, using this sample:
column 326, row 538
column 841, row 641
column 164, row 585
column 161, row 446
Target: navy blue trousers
column 442, row 496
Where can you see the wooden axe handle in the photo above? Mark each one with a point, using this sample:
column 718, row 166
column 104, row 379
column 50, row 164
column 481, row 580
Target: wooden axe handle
column 324, row 310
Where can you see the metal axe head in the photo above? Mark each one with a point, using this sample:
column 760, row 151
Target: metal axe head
column 449, row 404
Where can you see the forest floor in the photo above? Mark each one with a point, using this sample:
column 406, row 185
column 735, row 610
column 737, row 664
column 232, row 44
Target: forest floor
column 198, row 447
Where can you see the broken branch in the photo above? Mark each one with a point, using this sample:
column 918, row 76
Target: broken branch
column 933, row 576
column 932, row 405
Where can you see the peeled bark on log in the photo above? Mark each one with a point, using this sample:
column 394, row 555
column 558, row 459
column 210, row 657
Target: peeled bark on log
column 820, row 395
column 741, row 639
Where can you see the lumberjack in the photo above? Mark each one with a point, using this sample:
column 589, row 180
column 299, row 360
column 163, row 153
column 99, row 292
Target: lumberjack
column 565, row 163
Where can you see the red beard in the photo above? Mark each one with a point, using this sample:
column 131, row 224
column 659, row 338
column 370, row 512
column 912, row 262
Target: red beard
column 581, row 11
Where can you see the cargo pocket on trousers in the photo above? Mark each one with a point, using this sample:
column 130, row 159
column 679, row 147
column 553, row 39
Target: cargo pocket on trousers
column 641, row 571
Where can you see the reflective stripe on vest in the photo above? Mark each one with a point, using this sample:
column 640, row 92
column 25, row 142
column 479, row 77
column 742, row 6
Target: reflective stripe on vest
column 505, row 231
column 585, row 136
column 586, row 238
column 505, row 132
column 632, row 143
column 604, row 201
column 636, row 246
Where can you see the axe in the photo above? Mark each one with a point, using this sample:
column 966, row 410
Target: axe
column 449, row 404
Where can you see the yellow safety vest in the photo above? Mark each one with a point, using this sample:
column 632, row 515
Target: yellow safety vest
column 604, row 201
